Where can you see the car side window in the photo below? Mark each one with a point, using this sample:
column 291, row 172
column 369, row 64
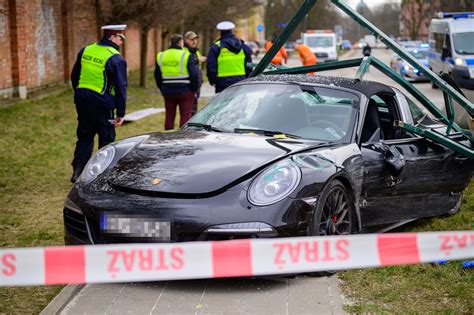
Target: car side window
column 380, row 115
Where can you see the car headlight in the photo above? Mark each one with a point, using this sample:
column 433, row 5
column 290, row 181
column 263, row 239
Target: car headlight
column 97, row 164
column 459, row 62
column 274, row 183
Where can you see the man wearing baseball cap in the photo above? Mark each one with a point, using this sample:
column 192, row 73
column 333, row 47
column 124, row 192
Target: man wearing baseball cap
column 190, row 44
column 228, row 58
column 99, row 79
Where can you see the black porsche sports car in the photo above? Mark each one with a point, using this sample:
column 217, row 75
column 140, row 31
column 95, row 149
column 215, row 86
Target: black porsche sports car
column 272, row 156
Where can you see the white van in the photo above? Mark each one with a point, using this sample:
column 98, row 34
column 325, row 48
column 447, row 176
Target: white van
column 451, row 40
column 322, row 44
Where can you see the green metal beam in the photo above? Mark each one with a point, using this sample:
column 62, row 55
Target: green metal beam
column 430, row 106
column 283, row 37
column 450, row 92
column 439, row 138
column 333, row 65
column 449, row 111
column 408, row 57
column 377, row 63
column 364, row 66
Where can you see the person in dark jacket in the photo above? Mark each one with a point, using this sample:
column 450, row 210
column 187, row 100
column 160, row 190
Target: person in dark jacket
column 178, row 80
column 367, row 50
column 228, row 59
column 99, row 79
column 190, row 44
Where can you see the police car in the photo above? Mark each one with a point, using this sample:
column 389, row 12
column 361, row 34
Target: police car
column 451, row 39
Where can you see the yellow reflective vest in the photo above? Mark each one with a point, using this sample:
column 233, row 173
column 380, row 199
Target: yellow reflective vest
column 93, row 62
column 173, row 65
column 230, row 64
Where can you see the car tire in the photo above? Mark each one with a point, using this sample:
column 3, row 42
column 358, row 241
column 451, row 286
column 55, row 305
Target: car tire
column 324, row 218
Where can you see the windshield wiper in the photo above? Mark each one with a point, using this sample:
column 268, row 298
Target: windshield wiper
column 268, row 133
column 204, row 126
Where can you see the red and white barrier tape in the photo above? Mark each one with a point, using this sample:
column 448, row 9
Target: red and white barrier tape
column 253, row 257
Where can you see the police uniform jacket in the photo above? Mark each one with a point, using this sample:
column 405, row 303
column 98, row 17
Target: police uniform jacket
column 179, row 88
column 116, row 77
column 231, row 42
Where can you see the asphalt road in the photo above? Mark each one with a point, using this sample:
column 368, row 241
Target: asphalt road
column 299, row 295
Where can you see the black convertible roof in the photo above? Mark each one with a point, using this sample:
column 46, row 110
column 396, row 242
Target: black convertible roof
column 367, row 88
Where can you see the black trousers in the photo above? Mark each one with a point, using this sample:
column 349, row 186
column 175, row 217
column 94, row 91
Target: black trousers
column 91, row 120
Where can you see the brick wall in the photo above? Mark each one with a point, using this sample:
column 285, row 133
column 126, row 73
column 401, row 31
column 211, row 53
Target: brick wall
column 40, row 39
column 5, row 57
column 132, row 48
column 44, row 45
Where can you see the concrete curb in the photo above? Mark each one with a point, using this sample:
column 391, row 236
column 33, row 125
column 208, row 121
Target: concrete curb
column 62, row 299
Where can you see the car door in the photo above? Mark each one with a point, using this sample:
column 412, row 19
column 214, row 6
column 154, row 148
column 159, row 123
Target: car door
column 405, row 176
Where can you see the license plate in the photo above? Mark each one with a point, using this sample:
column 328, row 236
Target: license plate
column 137, row 226
column 471, row 72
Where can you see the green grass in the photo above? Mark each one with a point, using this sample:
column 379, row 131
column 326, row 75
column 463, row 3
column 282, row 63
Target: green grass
column 417, row 289
column 36, row 148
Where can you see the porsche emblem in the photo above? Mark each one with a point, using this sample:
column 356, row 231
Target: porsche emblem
column 156, row 181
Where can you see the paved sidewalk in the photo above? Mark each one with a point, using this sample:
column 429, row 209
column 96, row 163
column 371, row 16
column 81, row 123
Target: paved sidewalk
column 299, row 295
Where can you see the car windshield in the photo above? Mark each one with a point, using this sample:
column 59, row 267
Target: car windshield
column 464, row 43
column 319, row 41
column 310, row 112
column 419, row 54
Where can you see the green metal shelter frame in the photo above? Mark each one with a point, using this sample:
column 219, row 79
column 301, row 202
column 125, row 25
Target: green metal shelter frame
column 455, row 137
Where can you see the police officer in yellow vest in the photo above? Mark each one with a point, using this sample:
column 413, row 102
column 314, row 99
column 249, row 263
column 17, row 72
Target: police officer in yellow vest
column 99, row 79
column 228, row 58
column 177, row 78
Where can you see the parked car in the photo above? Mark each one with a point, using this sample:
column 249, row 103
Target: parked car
column 406, row 70
column 271, row 156
column 345, row 44
column 322, row 43
column 451, row 39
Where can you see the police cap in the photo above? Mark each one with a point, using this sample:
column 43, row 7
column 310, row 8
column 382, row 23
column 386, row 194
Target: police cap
column 225, row 26
column 117, row 29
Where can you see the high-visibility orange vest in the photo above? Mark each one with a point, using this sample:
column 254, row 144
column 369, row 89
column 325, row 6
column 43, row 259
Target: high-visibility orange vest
column 306, row 55
column 280, row 55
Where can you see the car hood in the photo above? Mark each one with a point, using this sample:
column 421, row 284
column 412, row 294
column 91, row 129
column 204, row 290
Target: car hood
column 197, row 162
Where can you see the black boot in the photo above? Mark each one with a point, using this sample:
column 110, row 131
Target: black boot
column 76, row 174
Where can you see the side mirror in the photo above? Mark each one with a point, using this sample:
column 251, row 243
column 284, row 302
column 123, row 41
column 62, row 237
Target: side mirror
column 394, row 161
column 445, row 53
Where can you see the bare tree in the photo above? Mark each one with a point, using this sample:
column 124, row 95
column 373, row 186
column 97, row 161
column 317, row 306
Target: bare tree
column 415, row 13
column 3, row 10
column 387, row 18
column 203, row 15
column 146, row 14
column 177, row 16
column 456, row 6
column 279, row 12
